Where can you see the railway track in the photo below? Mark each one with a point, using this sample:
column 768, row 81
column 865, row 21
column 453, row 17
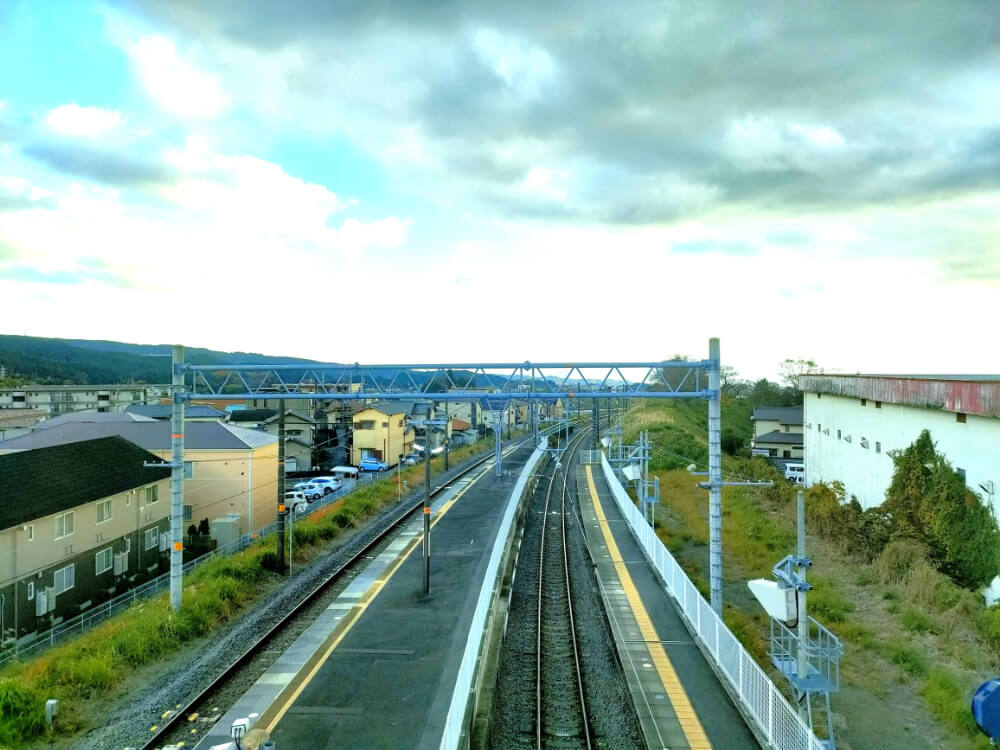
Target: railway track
column 221, row 692
column 560, row 705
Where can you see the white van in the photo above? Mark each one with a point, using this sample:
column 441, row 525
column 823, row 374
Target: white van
column 795, row 473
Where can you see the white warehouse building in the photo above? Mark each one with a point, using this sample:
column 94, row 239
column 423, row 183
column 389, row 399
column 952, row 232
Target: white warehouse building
column 852, row 422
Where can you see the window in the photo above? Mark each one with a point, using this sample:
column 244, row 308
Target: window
column 864, row 402
column 65, row 578
column 819, row 427
column 878, row 404
column 104, row 511
column 385, row 424
column 103, row 560
column 128, row 499
column 187, row 512
column 878, row 447
column 64, row 525
column 31, row 532
column 153, row 493
column 31, row 590
column 401, row 423
column 188, row 469
column 368, row 424
column 838, row 434
column 960, row 418
column 128, row 544
column 151, row 538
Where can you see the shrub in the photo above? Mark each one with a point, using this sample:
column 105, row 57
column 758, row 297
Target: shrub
column 948, row 701
column 908, row 658
column 897, row 560
column 22, row 712
column 269, row 562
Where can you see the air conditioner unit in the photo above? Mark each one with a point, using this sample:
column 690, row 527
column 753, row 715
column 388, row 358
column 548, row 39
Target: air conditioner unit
column 164, row 542
column 50, row 595
column 41, row 603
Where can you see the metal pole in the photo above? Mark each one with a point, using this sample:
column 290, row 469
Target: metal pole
column 282, row 508
column 497, row 426
column 176, row 478
column 596, row 414
column 714, row 477
column 427, row 510
column 803, row 655
column 447, row 422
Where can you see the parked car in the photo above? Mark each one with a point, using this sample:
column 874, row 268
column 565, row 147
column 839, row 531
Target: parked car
column 372, row 464
column 795, row 473
column 410, row 460
column 310, row 490
column 327, row 484
column 296, row 501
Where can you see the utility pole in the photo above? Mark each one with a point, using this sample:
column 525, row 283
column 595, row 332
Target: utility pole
column 802, row 662
column 447, row 422
column 282, row 508
column 714, row 476
column 176, row 478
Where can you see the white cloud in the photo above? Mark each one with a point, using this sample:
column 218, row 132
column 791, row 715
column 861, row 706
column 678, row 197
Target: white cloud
column 546, row 183
column 524, row 67
column 88, row 122
column 822, row 135
column 177, row 86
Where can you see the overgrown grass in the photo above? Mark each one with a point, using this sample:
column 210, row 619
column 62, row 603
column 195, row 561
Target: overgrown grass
column 103, row 658
column 949, row 702
column 910, row 659
column 826, row 603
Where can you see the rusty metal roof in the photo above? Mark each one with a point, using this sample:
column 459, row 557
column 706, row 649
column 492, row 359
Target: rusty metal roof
column 967, row 394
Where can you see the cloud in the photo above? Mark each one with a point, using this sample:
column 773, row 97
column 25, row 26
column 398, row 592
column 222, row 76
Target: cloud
column 74, row 120
column 178, row 87
column 105, row 164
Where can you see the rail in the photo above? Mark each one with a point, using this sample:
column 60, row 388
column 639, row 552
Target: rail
column 776, row 721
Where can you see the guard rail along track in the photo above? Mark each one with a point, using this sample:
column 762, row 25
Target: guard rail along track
column 170, row 724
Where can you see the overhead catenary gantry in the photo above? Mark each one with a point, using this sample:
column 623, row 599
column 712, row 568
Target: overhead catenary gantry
column 496, row 382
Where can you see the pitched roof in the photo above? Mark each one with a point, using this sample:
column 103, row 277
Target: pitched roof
column 152, row 435
column 92, row 415
column 163, row 411
column 780, row 414
column 784, row 438
column 72, row 474
column 393, row 406
column 460, row 424
column 251, row 415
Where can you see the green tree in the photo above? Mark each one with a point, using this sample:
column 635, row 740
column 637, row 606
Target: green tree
column 928, row 501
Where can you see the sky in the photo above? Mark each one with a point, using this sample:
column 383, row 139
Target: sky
column 481, row 181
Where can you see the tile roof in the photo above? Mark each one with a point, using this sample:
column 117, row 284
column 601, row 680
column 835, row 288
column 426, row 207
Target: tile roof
column 152, row 435
column 781, row 414
column 71, row 474
column 784, row 438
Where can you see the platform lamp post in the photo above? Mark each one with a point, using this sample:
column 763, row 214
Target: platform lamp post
column 427, row 424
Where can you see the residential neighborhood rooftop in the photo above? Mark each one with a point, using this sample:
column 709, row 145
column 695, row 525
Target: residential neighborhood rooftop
column 92, row 415
column 780, row 414
column 151, row 435
column 779, row 437
column 163, row 411
column 41, row 482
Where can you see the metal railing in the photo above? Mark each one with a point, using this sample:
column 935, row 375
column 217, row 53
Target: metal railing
column 776, row 721
column 454, row 723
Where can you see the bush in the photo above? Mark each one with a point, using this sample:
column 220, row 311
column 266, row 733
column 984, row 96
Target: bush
column 22, row 713
column 897, row 560
column 910, row 659
column 269, row 562
column 917, row 621
column 948, row 701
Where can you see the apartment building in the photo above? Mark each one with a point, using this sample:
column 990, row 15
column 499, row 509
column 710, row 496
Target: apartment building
column 77, row 522
column 59, row 399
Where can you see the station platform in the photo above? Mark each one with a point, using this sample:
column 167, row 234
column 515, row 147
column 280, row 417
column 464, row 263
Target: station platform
column 678, row 698
column 378, row 667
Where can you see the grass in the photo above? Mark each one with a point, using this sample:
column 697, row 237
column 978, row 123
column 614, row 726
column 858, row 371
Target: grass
column 100, row 660
column 948, row 701
column 916, row 621
column 910, row 659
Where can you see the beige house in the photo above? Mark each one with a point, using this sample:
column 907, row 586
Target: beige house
column 17, row 422
column 227, row 469
column 382, row 431
column 777, row 432
column 97, row 527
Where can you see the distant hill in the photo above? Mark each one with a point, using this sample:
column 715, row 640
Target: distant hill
column 81, row 361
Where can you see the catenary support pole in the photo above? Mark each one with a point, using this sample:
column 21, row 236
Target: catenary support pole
column 803, row 631
column 282, row 507
column 176, row 478
column 447, row 427
column 427, row 509
column 498, row 445
column 596, row 415
column 714, row 477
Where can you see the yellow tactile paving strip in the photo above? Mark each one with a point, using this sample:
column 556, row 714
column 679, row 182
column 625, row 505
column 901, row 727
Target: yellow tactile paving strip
column 694, row 733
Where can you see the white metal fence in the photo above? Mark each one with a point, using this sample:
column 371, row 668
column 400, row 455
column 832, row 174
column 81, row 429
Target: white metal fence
column 777, row 722
column 454, row 722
